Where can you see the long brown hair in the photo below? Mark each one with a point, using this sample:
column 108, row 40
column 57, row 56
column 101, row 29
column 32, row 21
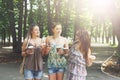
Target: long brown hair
column 85, row 42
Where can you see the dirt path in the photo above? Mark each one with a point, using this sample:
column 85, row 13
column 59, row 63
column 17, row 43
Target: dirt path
column 94, row 72
column 10, row 71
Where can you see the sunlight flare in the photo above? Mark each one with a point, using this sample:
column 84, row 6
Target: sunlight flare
column 100, row 6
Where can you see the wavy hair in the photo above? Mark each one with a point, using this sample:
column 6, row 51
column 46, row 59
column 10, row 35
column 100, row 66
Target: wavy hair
column 85, row 42
column 29, row 35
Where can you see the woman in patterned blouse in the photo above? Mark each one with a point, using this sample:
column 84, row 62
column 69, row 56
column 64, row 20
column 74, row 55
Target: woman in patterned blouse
column 79, row 57
column 57, row 46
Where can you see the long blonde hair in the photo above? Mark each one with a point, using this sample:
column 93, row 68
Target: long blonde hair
column 29, row 35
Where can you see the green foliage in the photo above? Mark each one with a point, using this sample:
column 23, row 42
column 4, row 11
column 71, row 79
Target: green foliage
column 98, row 26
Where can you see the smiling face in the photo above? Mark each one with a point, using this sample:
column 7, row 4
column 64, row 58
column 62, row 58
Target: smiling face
column 35, row 31
column 57, row 30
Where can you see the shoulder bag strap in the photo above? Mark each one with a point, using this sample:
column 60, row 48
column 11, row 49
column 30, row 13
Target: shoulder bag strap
column 26, row 47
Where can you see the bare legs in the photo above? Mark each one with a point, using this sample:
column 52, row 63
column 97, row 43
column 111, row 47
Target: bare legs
column 56, row 76
column 52, row 76
column 37, row 79
column 29, row 79
column 33, row 79
column 60, row 75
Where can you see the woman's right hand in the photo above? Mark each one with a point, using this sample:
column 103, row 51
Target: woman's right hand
column 47, row 49
column 92, row 57
column 24, row 53
column 90, row 60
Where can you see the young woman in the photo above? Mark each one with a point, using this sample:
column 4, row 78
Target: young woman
column 33, row 68
column 57, row 46
column 79, row 57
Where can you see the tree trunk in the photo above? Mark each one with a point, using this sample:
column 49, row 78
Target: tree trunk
column 20, row 27
column 113, row 33
column 12, row 23
column 103, row 33
column 25, row 18
column 116, row 25
column 77, row 18
column 49, row 17
column 40, row 17
column 30, row 18
column 65, row 21
column 57, row 6
column 9, row 37
column 4, row 36
column 115, row 18
column 76, row 25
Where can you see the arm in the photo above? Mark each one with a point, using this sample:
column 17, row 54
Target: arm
column 66, row 47
column 47, row 46
column 24, row 47
column 91, row 58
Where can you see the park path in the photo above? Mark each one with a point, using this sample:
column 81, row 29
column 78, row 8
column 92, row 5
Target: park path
column 102, row 52
column 10, row 71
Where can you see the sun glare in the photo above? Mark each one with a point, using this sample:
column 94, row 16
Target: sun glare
column 100, row 5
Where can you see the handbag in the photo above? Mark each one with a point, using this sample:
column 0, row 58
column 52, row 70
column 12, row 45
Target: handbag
column 21, row 71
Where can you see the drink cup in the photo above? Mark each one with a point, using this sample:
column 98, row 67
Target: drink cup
column 30, row 47
column 30, row 50
column 58, row 49
column 92, row 57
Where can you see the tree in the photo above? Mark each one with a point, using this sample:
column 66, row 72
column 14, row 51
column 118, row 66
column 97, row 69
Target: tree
column 25, row 18
column 57, row 6
column 12, row 22
column 30, row 17
column 49, row 17
column 19, row 40
column 115, row 19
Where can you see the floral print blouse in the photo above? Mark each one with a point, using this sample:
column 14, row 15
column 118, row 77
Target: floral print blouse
column 55, row 60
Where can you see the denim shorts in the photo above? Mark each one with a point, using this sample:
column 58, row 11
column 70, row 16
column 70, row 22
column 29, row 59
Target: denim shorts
column 55, row 70
column 30, row 74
